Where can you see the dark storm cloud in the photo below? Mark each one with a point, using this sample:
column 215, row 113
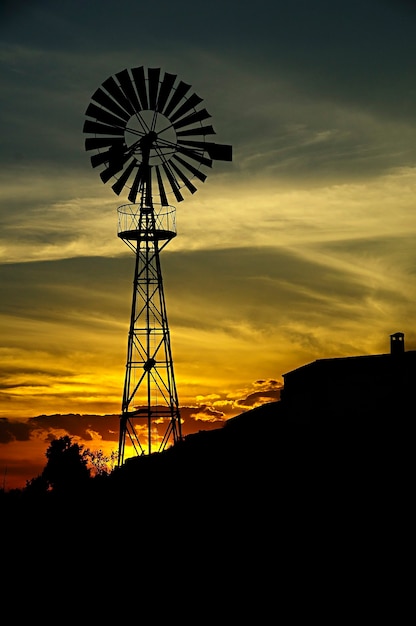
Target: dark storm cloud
column 257, row 61
column 242, row 283
column 209, row 413
column 59, row 289
column 255, row 284
column 28, row 374
column 258, row 397
column 11, row 431
column 89, row 427
column 400, row 250
column 106, row 426
column 56, row 290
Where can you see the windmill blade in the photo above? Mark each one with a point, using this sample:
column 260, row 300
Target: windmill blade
column 165, row 89
column 117, row 156
column 121, row 182
column 106, row 174
column 219, row 152
column 182, row 176
column 114, row 90
column 94, row 143
column 173, row 183
column 116, row 159
column 114, row 156
column 201, row 145
column 153, row 74
column 162, row 192
column 102, row 98
column 103, row 116
column 128, row 89
column 216, row 151
column 99, row 159
column 202, row 177
column 114, row 166
column 177, row 96
column 198, row 130
column 198, row 116
column 101, row 129
column 136, row 183
column 140, row 82
column 196, row 156
column 189, row 104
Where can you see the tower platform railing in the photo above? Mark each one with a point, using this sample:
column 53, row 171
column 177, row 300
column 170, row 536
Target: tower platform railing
column 130, row 222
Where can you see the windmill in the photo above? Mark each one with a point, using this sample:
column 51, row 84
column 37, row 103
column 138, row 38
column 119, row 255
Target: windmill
column 146, row 131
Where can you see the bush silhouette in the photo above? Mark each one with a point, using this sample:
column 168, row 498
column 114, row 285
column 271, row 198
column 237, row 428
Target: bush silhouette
column 65, row 471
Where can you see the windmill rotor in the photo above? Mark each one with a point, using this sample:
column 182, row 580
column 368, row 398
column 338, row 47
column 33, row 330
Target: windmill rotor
column 147, row 133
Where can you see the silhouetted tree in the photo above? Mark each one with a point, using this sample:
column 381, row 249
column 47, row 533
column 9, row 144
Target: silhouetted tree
column 36, row 486
column 98, row 463
column 66, row 468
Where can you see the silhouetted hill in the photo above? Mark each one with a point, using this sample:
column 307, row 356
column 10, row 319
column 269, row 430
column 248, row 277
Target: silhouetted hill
column 263, row 459
column 266, row 504
column 261, row 452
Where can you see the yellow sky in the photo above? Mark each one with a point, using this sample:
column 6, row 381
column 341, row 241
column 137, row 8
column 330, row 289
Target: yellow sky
column 324, row 271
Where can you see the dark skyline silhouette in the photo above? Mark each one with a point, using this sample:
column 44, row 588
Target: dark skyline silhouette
column 363, row 392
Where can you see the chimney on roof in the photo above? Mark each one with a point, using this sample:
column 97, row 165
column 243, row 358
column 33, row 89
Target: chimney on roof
column 397, row 343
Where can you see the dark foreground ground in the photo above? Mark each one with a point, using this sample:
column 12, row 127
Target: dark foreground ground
column 317, row 518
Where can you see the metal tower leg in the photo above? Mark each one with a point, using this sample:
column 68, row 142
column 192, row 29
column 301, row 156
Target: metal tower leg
column 150, row 417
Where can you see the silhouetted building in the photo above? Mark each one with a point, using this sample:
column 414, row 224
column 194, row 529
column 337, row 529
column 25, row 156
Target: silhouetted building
column 370, row 386
column 397, row 343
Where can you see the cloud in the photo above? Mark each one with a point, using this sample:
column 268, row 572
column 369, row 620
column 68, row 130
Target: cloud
column 234, row 313
column 13, row 431
column 264, row 391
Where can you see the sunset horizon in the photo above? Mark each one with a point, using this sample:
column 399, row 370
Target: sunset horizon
column 24, row 440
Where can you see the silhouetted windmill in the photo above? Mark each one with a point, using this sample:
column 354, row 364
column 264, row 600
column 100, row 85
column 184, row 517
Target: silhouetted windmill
column 146, row 131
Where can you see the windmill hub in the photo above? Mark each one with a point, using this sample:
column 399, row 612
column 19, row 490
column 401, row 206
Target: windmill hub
column 150, row 135
column 148, row 140
column 146, row 144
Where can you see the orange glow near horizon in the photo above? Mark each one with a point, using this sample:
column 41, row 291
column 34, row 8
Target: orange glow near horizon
column 25, row 440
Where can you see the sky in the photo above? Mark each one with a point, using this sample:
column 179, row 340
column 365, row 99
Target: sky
column 302, row 248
